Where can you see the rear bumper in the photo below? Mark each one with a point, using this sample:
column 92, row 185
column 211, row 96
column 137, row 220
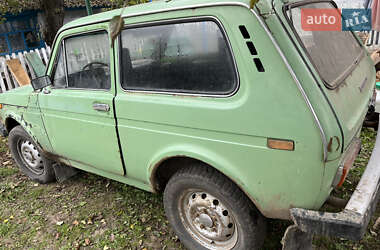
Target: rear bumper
column 352, row 222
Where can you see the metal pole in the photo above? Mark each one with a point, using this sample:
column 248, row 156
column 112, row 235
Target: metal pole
column 88, row 7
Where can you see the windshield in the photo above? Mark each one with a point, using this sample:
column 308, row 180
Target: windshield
column 334, row 53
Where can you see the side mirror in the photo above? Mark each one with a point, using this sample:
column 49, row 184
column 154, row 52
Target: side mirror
column 41, row 82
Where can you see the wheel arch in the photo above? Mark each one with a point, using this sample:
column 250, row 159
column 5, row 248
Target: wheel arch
column 167, row 164
column 12, row 120
column 10, row 123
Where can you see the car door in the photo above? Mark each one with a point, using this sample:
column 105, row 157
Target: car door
column 78, row 109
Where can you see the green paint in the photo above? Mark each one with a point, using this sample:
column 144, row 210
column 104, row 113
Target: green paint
column 230, row 134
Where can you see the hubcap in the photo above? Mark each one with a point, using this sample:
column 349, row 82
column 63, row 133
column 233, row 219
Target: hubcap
column 30, row 156
column 208, row 220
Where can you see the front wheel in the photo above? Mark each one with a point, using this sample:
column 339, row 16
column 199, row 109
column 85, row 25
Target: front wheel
column 208, row 211
column 28, row 157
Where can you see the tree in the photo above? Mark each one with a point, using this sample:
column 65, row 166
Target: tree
column 121, row 3
column 53, row 12
column 53, row 19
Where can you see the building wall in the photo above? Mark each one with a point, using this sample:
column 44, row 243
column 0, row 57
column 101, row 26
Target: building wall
column 20, row 33
column 72, row 14
column 350, row 3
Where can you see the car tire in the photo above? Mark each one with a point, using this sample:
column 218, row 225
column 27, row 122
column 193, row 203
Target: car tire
column 208, row 211
column 28, row 157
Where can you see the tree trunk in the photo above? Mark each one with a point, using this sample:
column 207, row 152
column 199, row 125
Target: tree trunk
column 53, row 19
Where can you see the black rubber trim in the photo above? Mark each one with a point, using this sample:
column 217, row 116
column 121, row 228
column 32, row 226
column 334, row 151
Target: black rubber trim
column 244, row 32
column 252, row 48
column 259, row 65
column 115, row 116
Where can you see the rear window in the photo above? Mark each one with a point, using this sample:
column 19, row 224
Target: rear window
column 191, row 57
column 334, row 53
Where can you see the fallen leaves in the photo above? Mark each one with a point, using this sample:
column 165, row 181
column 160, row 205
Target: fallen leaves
column 7, row 163
column 376, row 226
column 8, row 219
column 59, row 223
column 87, row 242
column 82, row 203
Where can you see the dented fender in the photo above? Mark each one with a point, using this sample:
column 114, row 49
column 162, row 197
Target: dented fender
column 31, row 121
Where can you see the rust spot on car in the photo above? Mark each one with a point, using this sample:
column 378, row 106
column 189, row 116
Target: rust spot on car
column 154, row 179
column 275, row 209
column 329, row 146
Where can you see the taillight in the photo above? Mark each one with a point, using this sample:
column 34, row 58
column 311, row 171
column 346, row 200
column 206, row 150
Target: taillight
column 348, row 162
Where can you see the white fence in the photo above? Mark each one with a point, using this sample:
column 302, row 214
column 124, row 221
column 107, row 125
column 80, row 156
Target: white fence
column 7, row 80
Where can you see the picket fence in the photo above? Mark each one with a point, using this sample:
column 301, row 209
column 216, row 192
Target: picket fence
column 7, row 80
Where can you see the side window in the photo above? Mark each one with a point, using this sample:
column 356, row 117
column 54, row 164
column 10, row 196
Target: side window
column 88, row 61
column 59, row 78
column 191, row 57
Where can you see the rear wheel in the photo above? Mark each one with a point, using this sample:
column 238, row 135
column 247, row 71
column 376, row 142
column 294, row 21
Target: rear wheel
column 28, row 157
column 208, row 211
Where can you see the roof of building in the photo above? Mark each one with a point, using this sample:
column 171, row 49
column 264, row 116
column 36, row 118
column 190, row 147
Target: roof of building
column 147, row 8
column 12, row 6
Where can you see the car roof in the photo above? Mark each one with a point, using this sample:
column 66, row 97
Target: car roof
column 155, row 6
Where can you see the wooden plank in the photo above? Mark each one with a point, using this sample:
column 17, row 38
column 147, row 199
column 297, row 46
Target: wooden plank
column 48, row 49
column 7, row 78
column 35, row 61
column 15, row 83
column 37, row 52
column 22, row 61
column 18, row 72
column 44, row 55
column 2, row 83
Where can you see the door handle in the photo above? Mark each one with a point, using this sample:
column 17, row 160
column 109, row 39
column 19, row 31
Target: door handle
column 101, row 107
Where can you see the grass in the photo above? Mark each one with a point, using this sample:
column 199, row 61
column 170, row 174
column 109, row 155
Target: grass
column 91, row 212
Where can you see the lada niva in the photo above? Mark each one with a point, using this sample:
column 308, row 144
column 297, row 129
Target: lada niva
column 233, row 111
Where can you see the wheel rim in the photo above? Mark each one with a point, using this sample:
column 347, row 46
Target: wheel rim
column 30, row 156
column 210, row 222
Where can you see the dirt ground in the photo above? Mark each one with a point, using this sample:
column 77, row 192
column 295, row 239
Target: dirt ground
column 91, row 212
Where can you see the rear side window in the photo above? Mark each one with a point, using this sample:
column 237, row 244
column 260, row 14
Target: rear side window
column 191, row 57
column 334, row 53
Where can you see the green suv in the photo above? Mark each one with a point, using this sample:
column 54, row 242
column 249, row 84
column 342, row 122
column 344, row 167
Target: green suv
column 235, row 113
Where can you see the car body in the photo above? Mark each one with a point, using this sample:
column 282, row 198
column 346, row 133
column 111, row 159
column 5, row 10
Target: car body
column 276, row 128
